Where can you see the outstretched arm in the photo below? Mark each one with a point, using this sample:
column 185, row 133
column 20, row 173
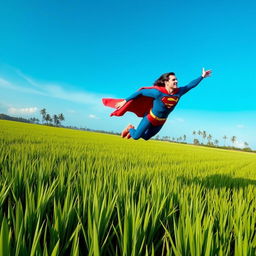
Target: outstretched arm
column 194, row 83
column 153, row 93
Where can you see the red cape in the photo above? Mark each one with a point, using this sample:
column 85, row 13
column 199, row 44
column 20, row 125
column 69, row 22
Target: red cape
column 140, row 106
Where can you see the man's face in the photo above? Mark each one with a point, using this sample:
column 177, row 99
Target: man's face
column 172, row 83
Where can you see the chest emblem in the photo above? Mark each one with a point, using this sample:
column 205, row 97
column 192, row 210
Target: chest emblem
column 170, row 101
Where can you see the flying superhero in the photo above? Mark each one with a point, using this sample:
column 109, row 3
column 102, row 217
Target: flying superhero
column 154, row 104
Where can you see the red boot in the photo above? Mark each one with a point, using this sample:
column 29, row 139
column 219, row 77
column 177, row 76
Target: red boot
column 128, row 136
column 126, row 130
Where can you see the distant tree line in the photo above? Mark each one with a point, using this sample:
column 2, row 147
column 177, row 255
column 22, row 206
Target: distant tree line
column 209, row 140
column 206, row 139
column 11, row 118
column 46, row 118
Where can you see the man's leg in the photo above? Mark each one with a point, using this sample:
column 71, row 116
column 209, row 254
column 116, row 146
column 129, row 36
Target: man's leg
column 151, row 131
column 143, row 126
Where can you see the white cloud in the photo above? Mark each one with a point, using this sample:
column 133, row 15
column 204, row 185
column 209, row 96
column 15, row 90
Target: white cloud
column 4, row 82
column 92, row 116
column 9, row 85
column 27, row 111
column 26, row 84
column 180, row 120
column 57, row 91
column 28, row 79
column 71, row 111
column 240, row 126
column 177, row 120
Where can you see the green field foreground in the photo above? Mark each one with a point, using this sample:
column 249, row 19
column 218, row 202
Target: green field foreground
column 68, row 192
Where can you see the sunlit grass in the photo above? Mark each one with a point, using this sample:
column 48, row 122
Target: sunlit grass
column 68, row 192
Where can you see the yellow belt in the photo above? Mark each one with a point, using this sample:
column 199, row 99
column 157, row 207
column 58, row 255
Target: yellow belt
column 155, row 117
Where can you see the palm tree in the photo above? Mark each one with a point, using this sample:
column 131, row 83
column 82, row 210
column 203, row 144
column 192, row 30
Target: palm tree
column 199, row 133
column 225, row 138
column 246, row 144
column 184, row 137
column 233, row 139
column 204, row 135
column 194, row 134
column 43, row 113
column 56, row 120
column 61, row 117
column 48, row 118
column 209, row 138
column 216, row 142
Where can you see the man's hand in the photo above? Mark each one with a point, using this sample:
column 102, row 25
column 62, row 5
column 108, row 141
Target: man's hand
column 120, row 104
column 206, row 73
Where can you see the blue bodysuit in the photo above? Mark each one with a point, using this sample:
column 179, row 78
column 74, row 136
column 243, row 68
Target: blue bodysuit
column 163, row 105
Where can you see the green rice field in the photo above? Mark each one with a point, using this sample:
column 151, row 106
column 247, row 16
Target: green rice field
column 70, row 192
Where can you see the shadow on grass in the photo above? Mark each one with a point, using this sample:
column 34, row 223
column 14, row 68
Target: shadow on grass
column 217, row 181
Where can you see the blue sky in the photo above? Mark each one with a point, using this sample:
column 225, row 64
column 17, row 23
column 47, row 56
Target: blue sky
column 66, row 55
